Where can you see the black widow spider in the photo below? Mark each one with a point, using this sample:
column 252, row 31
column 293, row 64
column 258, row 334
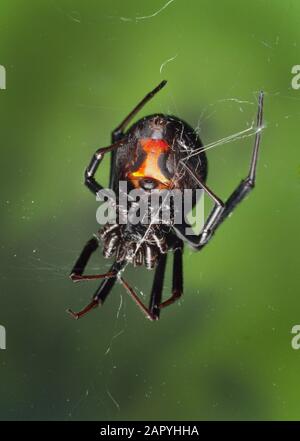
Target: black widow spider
column 158, row 151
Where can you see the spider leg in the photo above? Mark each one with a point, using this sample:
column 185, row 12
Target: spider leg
column 156, row 293
column 247, row 184
column 78, row 278
column 137, row 300
column 212, row 220
column 222, row 210
column 102, row 292
column 121, row 127
column 89, row 176
column 118, row 132
column 80, row 264
column 177, row 285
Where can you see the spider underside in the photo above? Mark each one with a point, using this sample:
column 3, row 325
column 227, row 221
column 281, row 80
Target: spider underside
column 182, row 164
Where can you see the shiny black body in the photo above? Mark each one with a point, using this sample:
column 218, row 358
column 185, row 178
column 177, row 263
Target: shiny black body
column 158, row 151
column 121, row 240
column 182, row 140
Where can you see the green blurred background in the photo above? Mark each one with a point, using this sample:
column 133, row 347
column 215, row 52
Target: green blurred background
column 74, row 70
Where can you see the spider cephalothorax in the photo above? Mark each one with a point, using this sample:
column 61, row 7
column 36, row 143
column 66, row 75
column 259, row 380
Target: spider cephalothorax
column 158, row 152
column 137, row 244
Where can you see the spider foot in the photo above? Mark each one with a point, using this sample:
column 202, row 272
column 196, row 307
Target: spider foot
column 76, row 315
column 152, row 316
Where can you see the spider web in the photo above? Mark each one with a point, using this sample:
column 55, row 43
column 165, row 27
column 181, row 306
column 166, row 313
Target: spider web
column 242, row 134
column 34, row 263
column 50, row 271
